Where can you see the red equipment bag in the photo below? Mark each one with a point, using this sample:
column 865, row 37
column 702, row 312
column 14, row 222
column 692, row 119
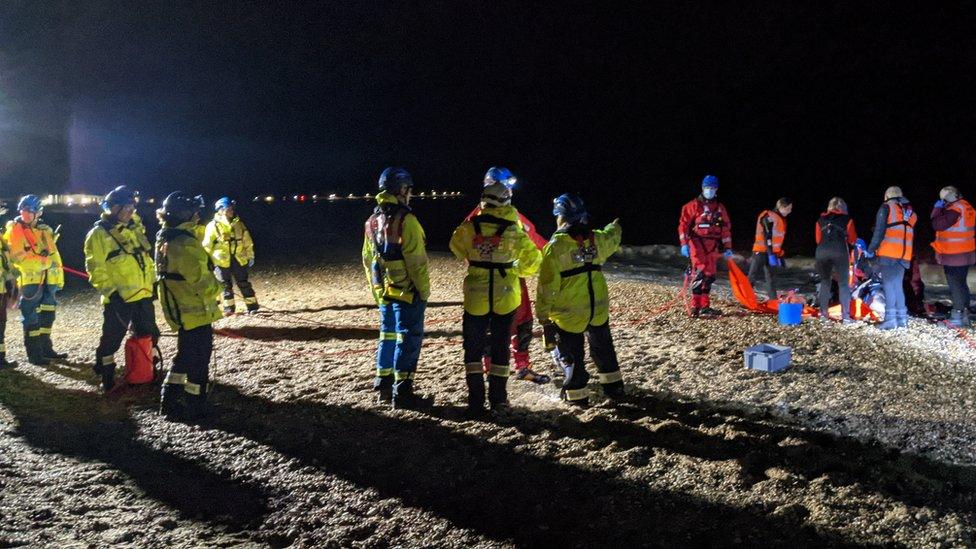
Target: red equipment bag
column 139, row 360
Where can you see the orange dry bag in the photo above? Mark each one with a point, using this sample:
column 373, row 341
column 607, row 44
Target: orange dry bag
column 138, row 360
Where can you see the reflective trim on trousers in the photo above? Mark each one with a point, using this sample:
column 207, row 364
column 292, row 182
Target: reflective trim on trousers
column 499, row 370
column 473, row 368
column 3, row 347
column 34, row 333
column 402, row 376
column 43, row 308
column 577, row 394
column 194, row 388
column 228, row 303
column 251, row 300
column 106, row 360
column 384, row 372
column 44, row 331
column 173, row 378
column 388, row 336
column 609, row 377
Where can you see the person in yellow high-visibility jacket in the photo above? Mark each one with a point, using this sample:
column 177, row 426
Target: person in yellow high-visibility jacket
column 35, row 255
column 572, row 299
column 395, row 260
column 498, row 252
column 229, row 243
column 118, row 258
column 6, row 285
column 188, row 293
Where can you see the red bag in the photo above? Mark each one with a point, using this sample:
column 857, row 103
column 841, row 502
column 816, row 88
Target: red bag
column 139, row 360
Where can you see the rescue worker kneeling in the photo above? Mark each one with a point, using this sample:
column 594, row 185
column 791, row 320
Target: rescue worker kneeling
column 118, row 258
column 229, row 243
column 572, row 299
column 498, row 252
column 188, row 292
column 35, row 255
column 395, row 259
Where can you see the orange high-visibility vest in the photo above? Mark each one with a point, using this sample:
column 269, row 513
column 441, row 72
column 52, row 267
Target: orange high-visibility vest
column 777, row 236
column 960, row 238
column 899, row 233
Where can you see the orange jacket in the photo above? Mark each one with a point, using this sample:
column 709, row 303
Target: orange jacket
column 899, row 232
column 776, row 227
column 960, row 238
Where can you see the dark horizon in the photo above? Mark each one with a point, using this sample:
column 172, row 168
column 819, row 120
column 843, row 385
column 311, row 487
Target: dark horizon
column 628, row 106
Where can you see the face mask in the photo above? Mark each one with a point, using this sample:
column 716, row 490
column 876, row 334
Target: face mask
column 709, row 192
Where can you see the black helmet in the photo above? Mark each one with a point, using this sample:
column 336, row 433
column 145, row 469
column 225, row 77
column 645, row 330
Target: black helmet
column 119, row 196
column 179, row 208
column 393, row 179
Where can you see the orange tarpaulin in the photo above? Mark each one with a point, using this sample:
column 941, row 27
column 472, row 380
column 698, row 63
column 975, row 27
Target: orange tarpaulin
column 746, row 295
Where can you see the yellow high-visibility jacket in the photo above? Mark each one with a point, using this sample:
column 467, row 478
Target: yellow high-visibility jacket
column 572, row 290
column 188, row 290
column 498, row 252
column 34, row 253
column 118, row 259
column 6, row 269
column 226, row 238
column 394, row 253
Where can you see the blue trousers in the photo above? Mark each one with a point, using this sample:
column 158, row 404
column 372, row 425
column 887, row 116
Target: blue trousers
column 892, row 274
column 401, row 335
column 38, row 303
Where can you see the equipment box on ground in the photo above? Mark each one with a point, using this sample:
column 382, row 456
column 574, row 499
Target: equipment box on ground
column 768, row 358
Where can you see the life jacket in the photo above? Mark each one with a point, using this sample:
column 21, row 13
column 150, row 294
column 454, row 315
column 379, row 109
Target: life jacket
column 586, row 253
column 34, row 253
column 384, row 229
column 769, row 234
column 185, row 305
column 127, row 267
column 960, row 238
column 486, row 246
column 899, row 232
column 708, row 222
column 833, row 228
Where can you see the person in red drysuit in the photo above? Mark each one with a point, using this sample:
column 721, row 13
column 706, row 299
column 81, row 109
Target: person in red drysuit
column 705, row 233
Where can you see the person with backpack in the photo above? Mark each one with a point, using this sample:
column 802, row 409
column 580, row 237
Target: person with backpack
column 395, row 259
column 498, row 252
column 572, row 297
column 34, row 254
column 767, row 249
column 954, row 221
column 834, row 235
column 522, row 321
column 188, row 293
column 118, row 258
column 892, row 242
column 705, row 234
column 229, row 243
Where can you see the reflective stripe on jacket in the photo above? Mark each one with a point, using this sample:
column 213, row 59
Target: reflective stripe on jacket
column 960, row 238
column 118, row 258
column 6, row 270
column 188, row 290
column 224, row 239
column 394, row 252
column 770, row 230
column 572, row 290
column 498, row 252
column 33, row 253
column 899, row 232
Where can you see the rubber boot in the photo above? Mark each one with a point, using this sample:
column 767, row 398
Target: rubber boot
column 889, row 322
column 405, row 399
column 48, row 349
column 34, row 348
column 196, row 405
column 476, row 393
column 383, row 385
column 498, row 393
column 107, row 373
column 173, row 401
column 615, row 391
column 252, row 308
column 902, row 319
column 956, row 318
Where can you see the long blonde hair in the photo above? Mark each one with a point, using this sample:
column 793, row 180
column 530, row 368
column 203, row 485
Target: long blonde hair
column 837, row 203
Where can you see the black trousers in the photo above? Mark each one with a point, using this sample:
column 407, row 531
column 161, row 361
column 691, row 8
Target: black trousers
column 193, row 350
column 492, row 331
column 571, row 351
column 958, row 288
column 833, row 262
column 117, row 316
column 759, row 266
column 3, row 321
column 228, row 276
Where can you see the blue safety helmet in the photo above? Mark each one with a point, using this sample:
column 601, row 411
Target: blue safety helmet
column 179, row 208
column 394, row 179
column 710, row 181
column 223, row 203
column 119, row 196
column 498, row 174
column 31, row 203
column 571, row 208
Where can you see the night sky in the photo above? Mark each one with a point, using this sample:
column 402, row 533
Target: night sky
column 627, row 103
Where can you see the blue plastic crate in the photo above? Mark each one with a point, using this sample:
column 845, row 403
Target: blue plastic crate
column 768, row 358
